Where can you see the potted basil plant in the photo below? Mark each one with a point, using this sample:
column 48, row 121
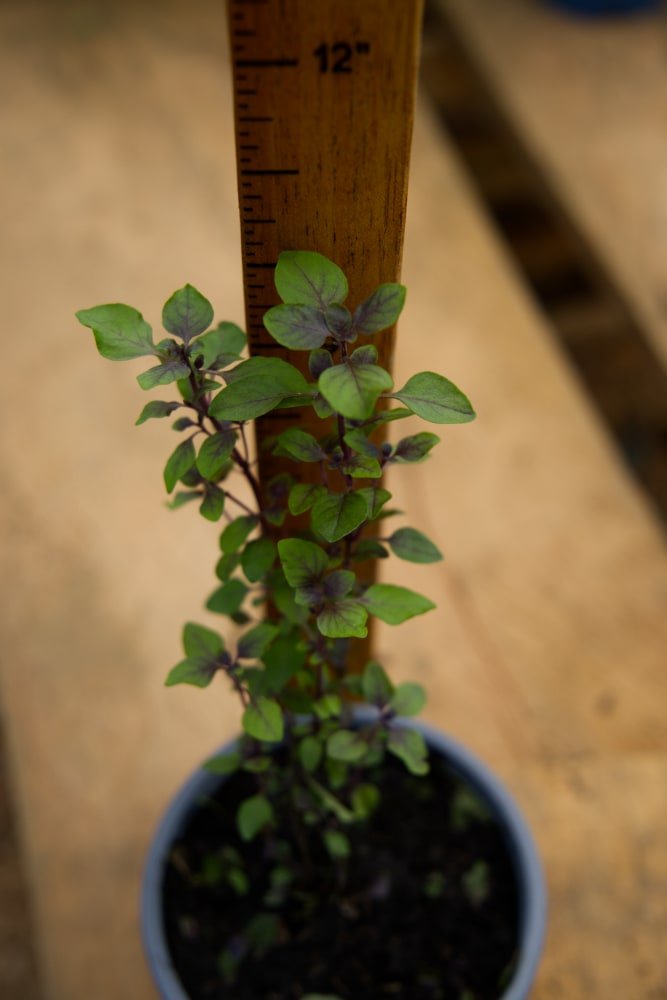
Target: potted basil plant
column 332, row 850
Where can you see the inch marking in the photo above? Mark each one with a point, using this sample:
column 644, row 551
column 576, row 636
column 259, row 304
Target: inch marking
column 245, row 118
column 277, row 172
column 265, row 63
column 337, row 58
column 263, row 221
column 266, row 266
column 284, row 415
column 266, row 346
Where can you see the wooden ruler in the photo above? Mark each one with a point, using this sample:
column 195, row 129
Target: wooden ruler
column 324, row 94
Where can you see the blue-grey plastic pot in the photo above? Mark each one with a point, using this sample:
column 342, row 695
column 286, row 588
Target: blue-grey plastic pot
column 521, row 847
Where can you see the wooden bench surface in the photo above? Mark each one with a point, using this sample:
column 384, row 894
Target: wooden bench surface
column 588, row 99
column 547, row 653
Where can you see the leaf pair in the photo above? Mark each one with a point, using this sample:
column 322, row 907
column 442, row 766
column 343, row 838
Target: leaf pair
column 204, row 651
column 313, row 290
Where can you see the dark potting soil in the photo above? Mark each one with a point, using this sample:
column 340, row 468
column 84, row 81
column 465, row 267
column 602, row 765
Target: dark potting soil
column 428, row 911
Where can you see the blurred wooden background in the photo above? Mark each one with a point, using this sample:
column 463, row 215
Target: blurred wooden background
column 547, row 652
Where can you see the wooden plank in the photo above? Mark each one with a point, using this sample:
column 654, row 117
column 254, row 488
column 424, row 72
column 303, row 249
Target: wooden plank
column 589, row 101
column 547, row 652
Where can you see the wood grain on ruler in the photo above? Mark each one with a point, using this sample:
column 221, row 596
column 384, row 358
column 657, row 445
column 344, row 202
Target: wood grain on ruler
column 324, row 98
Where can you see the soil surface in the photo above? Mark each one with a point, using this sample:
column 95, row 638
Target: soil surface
column 424, row 907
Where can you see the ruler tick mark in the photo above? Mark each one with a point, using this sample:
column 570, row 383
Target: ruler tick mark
column 266, row 345
column 245, row 118
column 265, row 63
column 277, row 172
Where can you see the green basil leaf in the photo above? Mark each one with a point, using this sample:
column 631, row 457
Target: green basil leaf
column 120, row 332
column 335, row 515
column 409, row 746
column 410, row 544
column 318, row 362
column 263, row 720
column 415, row 448
column 302, row 497
column 155, row 409
column 215, row 453
column 381, row 309
column 198, row 671
column 187, row 313
column 394, row 605
column 228, row 598
column 182, row 497
column 303, row 562
column 179, row 462
column 297, row 327
column 223, row 763
column 220, row 347
column 213, row 503
column 435, row 398
column 365, row 800
column 376, row 686
column 408, row 699
column 310, row 753
column 164, row 374
column 339, row 323
column 253, row 815
column 236, row 532
column 306, row 278
column 252, row 396
column 342, row 619
column 359, row 442
column 226, row 565
column 375, row 497
column 352, row 389
column 299, row 445
column 258, row 557
column 283, row 659
column 339, row 584
column 202, row 642
column 255, row 642
column 347, row 746
column 362, row 467
column 337, row 844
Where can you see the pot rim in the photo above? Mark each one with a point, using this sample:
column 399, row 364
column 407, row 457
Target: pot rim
column 519, row 840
